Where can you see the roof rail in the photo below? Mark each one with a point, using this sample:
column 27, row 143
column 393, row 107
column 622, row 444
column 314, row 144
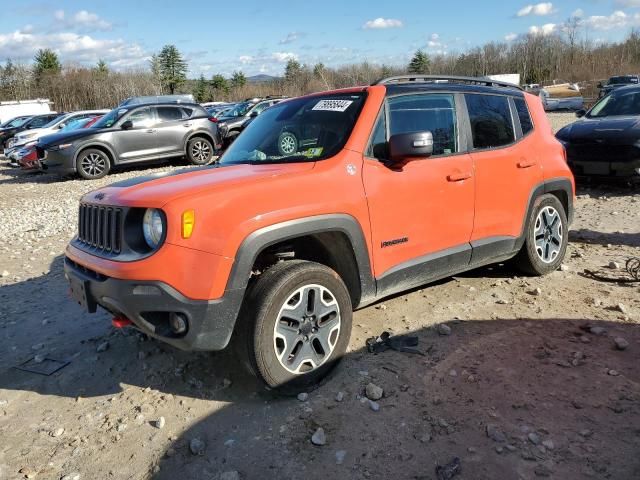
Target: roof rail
column 445, row 78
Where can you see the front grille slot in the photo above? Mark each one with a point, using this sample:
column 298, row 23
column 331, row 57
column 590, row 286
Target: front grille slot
column 100, row 227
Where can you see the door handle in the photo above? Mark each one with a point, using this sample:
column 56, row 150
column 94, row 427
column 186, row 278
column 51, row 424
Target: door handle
column 458, row 177
column 526, row 163
column 151, row 130
column 188, row 124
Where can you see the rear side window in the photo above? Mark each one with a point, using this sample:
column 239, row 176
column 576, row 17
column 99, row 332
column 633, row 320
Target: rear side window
column 186, row 112
column 431, row 112
column 169, row 114
column 523, row 114
column 490, row 118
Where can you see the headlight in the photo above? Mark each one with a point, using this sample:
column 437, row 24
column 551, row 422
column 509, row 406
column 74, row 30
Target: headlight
column 62, row 146
column 27, row 136
column 153, row 227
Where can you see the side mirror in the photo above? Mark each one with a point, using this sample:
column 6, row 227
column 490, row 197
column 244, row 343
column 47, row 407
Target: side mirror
column 581, row 113
column 405, row 147
column 254, row 114
column 600, row 85
column 128, row 125
column 61, row 126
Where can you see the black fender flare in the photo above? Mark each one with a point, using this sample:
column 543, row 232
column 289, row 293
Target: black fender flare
column 257, row 241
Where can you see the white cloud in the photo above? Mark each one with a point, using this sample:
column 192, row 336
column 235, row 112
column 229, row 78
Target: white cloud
column 290, row 38
column 283, row 57
column 73, row 48
column 380, row 23
column 81, row 20
column 546, row 29
column 616, row 20
column 539, row 9
column 579, row 13
column 435, row 37
column 510, row 37
column 628, row 3
column 245, row 59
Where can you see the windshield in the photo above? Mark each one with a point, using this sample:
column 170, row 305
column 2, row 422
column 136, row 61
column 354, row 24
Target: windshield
column 75, row 124
column 618, row 103
column 303, row 129
column 238, row 110
column 622, row 80
column 16, row 122
column 110, row 118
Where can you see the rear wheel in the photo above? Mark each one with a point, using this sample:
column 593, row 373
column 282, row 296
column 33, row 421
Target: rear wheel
column 546, row 237
column 295, row 325
column 199, row 151
column 92, row 164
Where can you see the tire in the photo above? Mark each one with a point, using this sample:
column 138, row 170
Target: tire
column 287, row 143
column 199, row 151
column 546, row 237
column 92, row 164
column 264, row 342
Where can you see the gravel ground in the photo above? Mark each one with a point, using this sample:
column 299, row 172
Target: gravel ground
column 521, row 377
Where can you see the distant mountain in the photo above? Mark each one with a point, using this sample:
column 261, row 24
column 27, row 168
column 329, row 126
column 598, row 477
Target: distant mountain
column 261, row 78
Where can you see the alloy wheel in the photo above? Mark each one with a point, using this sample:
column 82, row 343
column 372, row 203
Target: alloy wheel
column 200, row 151
column 93, row 164
column 288, row 144
column 548, row 234
column 307, row 329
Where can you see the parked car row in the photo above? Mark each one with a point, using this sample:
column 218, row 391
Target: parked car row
column 141, row 129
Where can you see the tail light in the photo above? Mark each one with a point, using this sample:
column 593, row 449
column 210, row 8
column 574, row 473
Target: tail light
column 213, row 119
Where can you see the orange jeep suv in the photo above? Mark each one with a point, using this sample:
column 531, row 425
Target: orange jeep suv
column 326, row 203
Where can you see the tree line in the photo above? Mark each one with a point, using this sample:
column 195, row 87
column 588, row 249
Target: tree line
column 567, row 56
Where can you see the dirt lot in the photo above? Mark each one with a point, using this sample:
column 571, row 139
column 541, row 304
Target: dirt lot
column 537, row 377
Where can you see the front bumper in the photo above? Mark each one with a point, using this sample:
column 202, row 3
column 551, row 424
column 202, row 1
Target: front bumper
column 148, row 305
column 62, row 161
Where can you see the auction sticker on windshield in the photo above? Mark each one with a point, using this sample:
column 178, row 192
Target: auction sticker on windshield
column 332, row 105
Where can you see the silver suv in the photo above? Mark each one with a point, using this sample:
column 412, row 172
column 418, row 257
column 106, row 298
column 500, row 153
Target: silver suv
column 131, row 134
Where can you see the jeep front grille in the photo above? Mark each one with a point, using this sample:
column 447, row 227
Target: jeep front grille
column 100, row 227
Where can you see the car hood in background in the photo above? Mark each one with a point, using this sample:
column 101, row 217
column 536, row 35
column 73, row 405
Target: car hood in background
column 619, row 130
column 66, row 137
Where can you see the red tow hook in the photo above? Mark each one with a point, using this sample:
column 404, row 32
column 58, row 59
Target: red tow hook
column 120, row 322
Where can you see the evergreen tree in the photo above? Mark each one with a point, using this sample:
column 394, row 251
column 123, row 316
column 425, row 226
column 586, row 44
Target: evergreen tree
column 101, row 68
column 172, row 68
column 46, row 63
column 292, row 71
column 220, row 86
column 200, row 92
column 420, row 63
column 238, row 80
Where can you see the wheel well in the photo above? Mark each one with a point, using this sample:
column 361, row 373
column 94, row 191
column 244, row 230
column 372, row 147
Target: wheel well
column 201, row 135
column 104, row 150
column 564, row 200
column 332, row 249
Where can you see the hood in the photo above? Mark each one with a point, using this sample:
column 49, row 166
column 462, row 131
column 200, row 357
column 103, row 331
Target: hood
column 624, row 130
column 157, row 190
column 66, row 137
column 37, row 131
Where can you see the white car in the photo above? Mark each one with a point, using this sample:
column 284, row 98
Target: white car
column 29, row 137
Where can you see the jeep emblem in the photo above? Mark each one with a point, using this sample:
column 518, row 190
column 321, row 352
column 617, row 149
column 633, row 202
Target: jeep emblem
column 99, row 196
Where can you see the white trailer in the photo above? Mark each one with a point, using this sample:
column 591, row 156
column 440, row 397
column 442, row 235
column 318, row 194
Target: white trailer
column 9, row 110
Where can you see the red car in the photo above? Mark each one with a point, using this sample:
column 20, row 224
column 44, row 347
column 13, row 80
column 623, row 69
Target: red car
column 28, row 157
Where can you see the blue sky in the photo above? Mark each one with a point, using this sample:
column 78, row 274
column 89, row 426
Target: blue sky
column 260, row 36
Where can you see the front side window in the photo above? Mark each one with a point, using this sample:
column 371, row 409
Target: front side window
column 303, row 129
column 523, row 114
column 141, row 118
column 419, row 113
column 491, row 123
column 378, row 145
column 39, row 122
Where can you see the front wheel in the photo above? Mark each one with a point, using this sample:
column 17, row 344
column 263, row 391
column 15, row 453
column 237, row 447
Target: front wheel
column 199, row 151
column 287, row 143
column 93, row 164
column 546, row 237
column 295, row 324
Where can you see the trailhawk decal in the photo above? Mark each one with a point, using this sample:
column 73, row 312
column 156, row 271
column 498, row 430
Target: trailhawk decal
column 332, row 105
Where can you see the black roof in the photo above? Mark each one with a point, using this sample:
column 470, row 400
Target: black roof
column 402, row 88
